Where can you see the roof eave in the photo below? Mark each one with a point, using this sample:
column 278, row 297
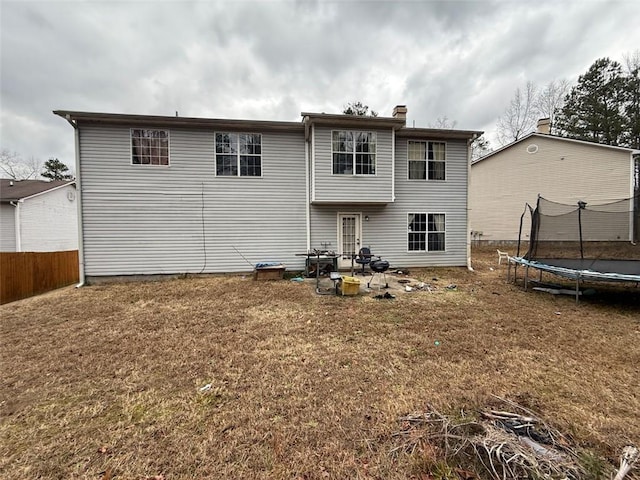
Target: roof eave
column 440, row 133
column 168, row 121
column 554, row 137
column 353, row 120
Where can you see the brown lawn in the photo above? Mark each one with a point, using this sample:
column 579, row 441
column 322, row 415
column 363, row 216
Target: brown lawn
column 104, row 381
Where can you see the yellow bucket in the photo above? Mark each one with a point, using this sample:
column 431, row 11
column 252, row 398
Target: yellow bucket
column 350, row 286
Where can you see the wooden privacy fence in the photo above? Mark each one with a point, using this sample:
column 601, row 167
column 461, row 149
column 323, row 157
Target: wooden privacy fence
column 24, row 274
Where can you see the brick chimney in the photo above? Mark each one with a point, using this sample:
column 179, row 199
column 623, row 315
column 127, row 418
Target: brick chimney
column 400, row 111
column 544, row 126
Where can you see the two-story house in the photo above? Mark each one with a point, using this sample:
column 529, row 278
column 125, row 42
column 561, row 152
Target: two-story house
column 167, row 195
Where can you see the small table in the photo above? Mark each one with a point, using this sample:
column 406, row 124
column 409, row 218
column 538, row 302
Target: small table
column 319, row 260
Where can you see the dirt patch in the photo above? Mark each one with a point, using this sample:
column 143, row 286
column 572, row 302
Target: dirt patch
column 108, row 378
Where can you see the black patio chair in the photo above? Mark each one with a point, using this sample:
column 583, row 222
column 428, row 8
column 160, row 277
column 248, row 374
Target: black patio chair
column 364, row 259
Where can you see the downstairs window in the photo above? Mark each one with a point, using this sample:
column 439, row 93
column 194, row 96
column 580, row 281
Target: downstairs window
column 426, row 232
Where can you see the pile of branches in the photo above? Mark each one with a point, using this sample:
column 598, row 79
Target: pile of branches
column 502, row 444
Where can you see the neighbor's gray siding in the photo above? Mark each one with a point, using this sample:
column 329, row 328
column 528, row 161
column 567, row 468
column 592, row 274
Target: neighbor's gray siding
column 329, row 188
column 7, row 228
column 182, row 218
column 387, row 229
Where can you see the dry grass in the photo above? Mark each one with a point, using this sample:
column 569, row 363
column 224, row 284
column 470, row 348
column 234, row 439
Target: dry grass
column 107, row 378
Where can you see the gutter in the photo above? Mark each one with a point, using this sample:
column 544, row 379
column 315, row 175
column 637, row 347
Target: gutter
column 307, row 186
column 79, row 201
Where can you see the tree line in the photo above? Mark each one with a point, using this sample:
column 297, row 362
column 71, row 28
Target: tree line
column 602, row 107
column 13, row 166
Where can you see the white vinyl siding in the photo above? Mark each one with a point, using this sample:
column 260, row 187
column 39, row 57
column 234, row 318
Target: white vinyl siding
column 7, row 228
column 384, row 227
column 330, row 188
column 186, row 219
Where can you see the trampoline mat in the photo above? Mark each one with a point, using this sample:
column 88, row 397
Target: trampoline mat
column 623, row 267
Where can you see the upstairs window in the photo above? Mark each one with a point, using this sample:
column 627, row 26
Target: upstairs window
column 354, row 153
column 426, row 232
column 238, row 154
column 149, row 147
column 426, row 160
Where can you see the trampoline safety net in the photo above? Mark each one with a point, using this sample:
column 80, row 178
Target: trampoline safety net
column 585, row 231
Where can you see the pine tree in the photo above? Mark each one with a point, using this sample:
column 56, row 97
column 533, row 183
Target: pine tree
column 359, row 109
column 594, row 110
column 632, row 100
column 54, row 169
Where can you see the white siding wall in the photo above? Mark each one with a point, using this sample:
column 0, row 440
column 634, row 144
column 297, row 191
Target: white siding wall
column 49, row 222
column 150, row 220
column 352, row 188
column 387, row 229
column 561, row 171
column 7, row 228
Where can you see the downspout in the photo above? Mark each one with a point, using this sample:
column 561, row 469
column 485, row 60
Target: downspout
column 468, row 232
column 393, row 165
column 79, row 201
column 17, row 226
column 307, row 183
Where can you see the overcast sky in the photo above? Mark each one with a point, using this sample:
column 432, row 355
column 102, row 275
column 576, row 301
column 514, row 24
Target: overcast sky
column 274, row 59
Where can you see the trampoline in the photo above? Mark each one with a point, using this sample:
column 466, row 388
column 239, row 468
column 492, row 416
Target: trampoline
column 582, row 242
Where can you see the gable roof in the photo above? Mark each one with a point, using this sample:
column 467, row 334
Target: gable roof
column 14, row 190
column 554, row 137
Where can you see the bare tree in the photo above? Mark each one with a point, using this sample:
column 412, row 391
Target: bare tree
column 12, row 165
column 551, row 99
column 519, row 118
column 444, row 123
column 479, row 147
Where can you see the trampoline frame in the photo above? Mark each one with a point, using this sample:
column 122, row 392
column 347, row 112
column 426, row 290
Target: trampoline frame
column 578, row 269
column 579, row 275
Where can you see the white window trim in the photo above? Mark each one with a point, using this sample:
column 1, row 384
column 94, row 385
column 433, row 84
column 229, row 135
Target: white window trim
column 422, row 252
column 141, row 165
column 446, row 162
column 215, row 159
column 354, row 174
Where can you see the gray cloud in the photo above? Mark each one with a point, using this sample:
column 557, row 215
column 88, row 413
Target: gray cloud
column 271, row 60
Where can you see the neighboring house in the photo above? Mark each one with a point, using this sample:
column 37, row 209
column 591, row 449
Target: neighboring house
column 166, row 195
column 38, row 216
column 559, row 169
